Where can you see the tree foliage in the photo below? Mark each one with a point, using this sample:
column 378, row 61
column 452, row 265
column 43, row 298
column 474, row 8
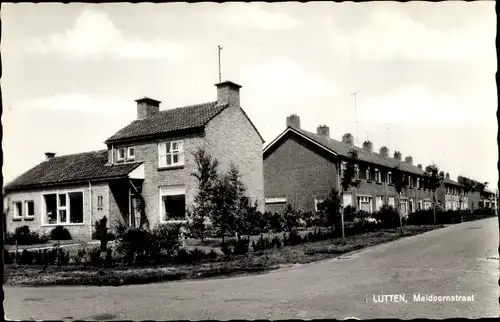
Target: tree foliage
column 330, row 208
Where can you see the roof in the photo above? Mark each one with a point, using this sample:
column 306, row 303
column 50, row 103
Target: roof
column 173, row 120
column 343, row 149
column 452, row 182
column 72, row 168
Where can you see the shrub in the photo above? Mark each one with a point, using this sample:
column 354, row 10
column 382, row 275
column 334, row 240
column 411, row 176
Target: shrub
column 94, row 256
column 60, row 233
column 227, row 250
column 294, row 238
column 133, row 244
column 166, row 238
column 212, row 254
column 26, row 258
column 101, row 233
column 241, row 247
column 387, row 216
column 7, row 257
column 62, row 257
column 422, row 217
column 24, row 236
column 196, row 255
column 81, row 255
column 261, row 244
column 275, row 242
column 349, row 213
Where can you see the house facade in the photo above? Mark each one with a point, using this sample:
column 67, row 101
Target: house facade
column 451, row 195
column 301, row 167
column 146, row 169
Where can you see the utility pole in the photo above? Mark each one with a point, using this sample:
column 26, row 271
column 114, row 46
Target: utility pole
column 220, row 78
column 356, row 116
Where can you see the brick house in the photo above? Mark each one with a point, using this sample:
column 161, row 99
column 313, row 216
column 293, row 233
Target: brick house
column 301, row 167
column 150, row 161
column 451, row 195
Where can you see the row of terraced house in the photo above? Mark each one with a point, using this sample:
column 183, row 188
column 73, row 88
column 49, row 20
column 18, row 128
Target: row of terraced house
column 150, row 162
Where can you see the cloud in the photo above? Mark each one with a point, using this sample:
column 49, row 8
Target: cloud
column 94, row 34
column 387, row 33
column 285, row 77
column 251, row 16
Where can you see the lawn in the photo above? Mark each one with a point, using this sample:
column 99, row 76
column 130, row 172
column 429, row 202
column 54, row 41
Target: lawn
column 259, row 261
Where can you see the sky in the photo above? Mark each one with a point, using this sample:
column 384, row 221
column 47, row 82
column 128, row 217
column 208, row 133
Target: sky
column 423, row 73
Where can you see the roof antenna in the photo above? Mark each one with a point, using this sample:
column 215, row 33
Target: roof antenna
column 220, row 78
column 356, row 116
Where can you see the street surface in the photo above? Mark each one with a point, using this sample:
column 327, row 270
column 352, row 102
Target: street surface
column 447, row 262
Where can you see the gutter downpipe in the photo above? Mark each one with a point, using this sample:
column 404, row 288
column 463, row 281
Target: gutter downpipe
column 90, row 210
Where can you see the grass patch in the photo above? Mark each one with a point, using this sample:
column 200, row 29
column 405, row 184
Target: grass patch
column 256, row 262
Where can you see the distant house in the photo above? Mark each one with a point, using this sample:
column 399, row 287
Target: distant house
column 149, row 162
column 301, row 167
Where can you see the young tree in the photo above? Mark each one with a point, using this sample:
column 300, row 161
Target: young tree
column 330, row 209
column 348, row 180
column 207, row 176
column 399, row 180
column 435, row 179
column 224, row 207
column 467, row 187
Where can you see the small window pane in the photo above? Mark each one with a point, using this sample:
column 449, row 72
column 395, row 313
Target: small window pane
column 169, row 159
column 76, row 207
column 163, row 160
column 18, row 209
column 51, row 208
column 176, row 158
column 62, row 200
column 62, row 216
column 174, row 146
column 168, row 147
column 30, row 209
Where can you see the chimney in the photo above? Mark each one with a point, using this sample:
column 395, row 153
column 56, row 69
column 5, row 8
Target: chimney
column 447, row 175
column 323, row 130
column 397, row 155
column 49, row 155
column 384, row 151
column 409, row 160
column 228, row 93
column 419, row 166
column 147, row 107
column 293, row 121
column 347, row 138
column 368, row 145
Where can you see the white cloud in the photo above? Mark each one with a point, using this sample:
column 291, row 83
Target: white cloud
column 250, row 15
column 94, row 34
column 389, row 33
column 286, row 78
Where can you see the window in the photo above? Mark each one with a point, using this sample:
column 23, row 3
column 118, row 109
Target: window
column 63, row 208
column 172, row 204
column 367, row 175
column 170, row 154
column 130, row 153
column 18, row 210
column 378, row 177
column 29, row 208
column 356, row 171
column 378, row 203
column 418, row 183
column 99, row 202
column 389, row 177
column 343, row 167
column 412, row 205
column 347, row 199
column 427, row 204
column 403, row 207
column 391, row 202
column 365, row 203
column 121, row 154
column 410, row 181
column 317, row 204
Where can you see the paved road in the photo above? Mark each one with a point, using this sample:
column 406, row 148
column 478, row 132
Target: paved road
column 447, row 261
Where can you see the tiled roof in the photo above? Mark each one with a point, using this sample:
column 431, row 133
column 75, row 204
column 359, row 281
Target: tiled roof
column 363, row 155
column 71, row 168
column 452, row 182
column 172, row 120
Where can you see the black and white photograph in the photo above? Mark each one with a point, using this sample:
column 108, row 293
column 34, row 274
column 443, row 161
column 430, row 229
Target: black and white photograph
column 221, row 161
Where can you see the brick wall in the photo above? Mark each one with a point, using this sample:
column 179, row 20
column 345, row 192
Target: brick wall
column 299, row 172
column 230, row 137
column 78, row 231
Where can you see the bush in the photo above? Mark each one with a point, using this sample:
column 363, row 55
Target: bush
column 133, row 245
column 349, row 213
column 275, row 242
column 227, row 250
column 94, row 256
column 8, row 258
column 387, row 216
column 212, row 254
column 422, row 217
column 101, row 233
column 261, row 244
column 166, row 238
column 26, row 258
column 294, row 238
column 241, row 247
column 196, row 255
column 60, row 233
column 24, row 236
column 81, row 255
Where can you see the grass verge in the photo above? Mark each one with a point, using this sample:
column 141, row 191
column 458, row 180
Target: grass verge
column 256, row 262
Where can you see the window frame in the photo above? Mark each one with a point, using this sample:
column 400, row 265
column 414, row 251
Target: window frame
column 100, row 202
column 17, row 216
column 26, row 209
column 369, row 201
column 130, row 157
column 43, row 210
column 316, row 203
column 118, row 158
column 174, row 191
column 378, row 176
column 179, row 151
column 389, row 177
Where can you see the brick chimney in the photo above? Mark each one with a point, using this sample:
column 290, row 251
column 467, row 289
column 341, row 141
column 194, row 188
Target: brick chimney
column 397, row 155
column 409, row 159
column 447, row 175
column 228, row 93
column 419, row 166
column 49, row 155
column 347, row 138
column 368, row 146
column 384, row 151
column 323, row 130
column 147, row 107
column 293, row 121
